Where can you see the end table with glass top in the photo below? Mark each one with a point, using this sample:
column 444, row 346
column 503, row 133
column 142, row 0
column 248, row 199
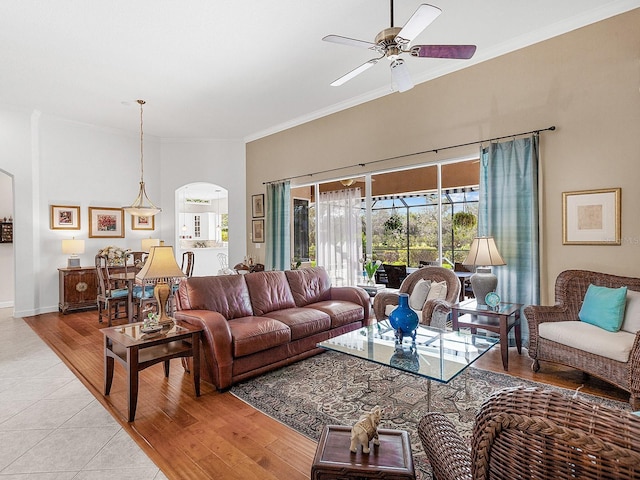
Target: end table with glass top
column 500, row 319
column 137, row 350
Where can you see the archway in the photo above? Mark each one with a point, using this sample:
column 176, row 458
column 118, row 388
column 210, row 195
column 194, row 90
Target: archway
column 202, row 225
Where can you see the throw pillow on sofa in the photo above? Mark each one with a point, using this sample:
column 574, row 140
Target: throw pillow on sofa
column 604, row 307
column 419, row 294
column 631, row 322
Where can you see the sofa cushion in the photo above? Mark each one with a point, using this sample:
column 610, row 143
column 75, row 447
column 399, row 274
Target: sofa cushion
column 269, row 291
column 341, row 312
column 303, row 322
column 587, row 337
column 604, row 307
column 309, row 285
column 226, row 294
column 419, row 294
column 631, row 322
column 254, row 334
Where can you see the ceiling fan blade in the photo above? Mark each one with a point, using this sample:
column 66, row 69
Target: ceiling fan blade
column 355, row 72
column 400, row 75
column 443, row 51
column 352, row 42
column 423, row 16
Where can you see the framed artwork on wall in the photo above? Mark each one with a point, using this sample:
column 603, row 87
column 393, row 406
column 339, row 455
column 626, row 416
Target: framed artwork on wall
column 105, row 222
column 257, row 205
column 591, row 217
column 143, row 223
column 64, row 217
column 257, row 231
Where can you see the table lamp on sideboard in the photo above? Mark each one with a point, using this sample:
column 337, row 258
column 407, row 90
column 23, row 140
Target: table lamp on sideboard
column 73, row 247
column 483, row 254
column 161, row 270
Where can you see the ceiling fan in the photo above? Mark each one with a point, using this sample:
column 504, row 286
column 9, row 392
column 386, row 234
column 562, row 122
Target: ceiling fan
column 394, row 41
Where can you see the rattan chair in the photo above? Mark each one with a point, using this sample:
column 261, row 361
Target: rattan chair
column 434, row 312
column 570, row 289
column 531, row 433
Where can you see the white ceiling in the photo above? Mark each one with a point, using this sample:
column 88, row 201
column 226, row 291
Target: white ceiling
column 227, row 69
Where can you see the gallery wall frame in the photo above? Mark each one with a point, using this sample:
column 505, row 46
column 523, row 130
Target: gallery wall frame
column 64, row 217
column 143, row 223
column 257, row 205
column 257, row 231
column 592, row 217
column 106, row 222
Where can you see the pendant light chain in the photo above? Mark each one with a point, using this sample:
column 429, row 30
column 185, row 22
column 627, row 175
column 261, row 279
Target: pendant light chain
column 141, row 102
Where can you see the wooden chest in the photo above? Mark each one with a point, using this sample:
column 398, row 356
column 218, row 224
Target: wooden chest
column 391, row 460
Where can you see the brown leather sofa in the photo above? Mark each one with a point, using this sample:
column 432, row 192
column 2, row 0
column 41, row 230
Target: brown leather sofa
column 260, row 321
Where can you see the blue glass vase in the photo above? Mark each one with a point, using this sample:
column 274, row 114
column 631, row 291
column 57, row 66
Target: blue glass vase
column 403, row 319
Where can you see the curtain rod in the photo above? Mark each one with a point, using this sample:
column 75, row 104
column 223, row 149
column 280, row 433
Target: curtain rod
column 434, row 150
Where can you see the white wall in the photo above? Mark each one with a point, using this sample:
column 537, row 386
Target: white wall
column 221, row 162
column 6, row 249
column 59, row 162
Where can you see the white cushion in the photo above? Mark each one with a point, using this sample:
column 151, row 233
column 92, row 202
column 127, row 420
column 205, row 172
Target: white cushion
column 438, row 291
column 587, row 337
column 419, row 294
column 631, row 322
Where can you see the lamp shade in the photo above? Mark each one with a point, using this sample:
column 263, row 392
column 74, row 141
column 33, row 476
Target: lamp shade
column 147, row 243
column 160, row 266
column 484, row 252
column 73, row 246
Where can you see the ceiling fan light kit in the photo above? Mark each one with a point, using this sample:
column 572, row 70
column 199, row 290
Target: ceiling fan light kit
column 394, row 41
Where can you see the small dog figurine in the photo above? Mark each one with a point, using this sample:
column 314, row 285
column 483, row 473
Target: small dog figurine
column 365, row 430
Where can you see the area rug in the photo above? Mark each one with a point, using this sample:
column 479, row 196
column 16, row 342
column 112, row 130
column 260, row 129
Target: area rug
column 334, row 389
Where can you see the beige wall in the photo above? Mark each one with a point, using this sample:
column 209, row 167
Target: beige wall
column 586, row 82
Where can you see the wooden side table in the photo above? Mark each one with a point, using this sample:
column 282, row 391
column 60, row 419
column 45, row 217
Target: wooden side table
column 391, row 459
column 137, row 351
column 482, row 317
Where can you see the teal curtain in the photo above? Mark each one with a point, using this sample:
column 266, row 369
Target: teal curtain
column 508, row 211
column 278, row 228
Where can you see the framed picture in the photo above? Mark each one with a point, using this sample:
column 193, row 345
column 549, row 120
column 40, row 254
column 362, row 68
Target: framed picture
column 105, row 222
column 143, row 223
column 64, row 217
column 257, row 205
column 257, row 230
column 591, row 217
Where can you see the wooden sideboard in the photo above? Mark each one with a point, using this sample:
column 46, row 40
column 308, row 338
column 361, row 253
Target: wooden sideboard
column 78, row 288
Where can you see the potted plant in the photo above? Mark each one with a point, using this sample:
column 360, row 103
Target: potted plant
column 464, row 220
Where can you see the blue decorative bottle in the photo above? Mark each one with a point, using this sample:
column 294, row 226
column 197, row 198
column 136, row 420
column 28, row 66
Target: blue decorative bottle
column 403, row 319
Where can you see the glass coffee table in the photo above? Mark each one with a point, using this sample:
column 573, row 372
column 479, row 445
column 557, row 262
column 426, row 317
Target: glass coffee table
column 435, row 355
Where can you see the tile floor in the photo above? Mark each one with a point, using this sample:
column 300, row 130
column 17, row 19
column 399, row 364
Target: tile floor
column 51, row 427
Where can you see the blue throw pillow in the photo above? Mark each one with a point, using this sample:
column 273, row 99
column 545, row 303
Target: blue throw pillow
column 604, row 307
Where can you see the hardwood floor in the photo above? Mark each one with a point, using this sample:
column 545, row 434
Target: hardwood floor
column 217, row 436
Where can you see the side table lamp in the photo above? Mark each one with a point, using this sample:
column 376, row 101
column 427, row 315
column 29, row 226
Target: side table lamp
column 73, row 247
column 483, row 254
column 161, row 270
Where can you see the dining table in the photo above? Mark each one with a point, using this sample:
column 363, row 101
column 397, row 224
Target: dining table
column 129, row 278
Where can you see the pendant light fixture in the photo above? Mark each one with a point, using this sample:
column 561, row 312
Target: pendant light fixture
column 142, row 206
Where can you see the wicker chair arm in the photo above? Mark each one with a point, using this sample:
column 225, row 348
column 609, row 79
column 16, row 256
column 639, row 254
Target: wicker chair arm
column 381, row 300
column 634, row 373
column 432, row 307
column 447, row 452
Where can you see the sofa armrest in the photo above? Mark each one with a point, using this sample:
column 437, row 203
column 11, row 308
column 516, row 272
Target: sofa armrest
column 355, row 295
column 537, row 314
column 447, row 452
column 217, row 343
column 381, row 300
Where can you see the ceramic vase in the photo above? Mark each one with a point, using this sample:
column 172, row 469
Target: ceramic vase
column 404, row 320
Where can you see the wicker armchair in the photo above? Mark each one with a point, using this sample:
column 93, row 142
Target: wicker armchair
column 570, row 289
column 530, row 433
column 434, row 312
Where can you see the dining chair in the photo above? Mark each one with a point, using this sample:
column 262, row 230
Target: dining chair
column 110, row 297
column 395, row 274
column 188, row 261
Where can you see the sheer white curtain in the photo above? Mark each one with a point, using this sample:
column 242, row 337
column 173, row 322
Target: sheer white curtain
column 340, row 235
